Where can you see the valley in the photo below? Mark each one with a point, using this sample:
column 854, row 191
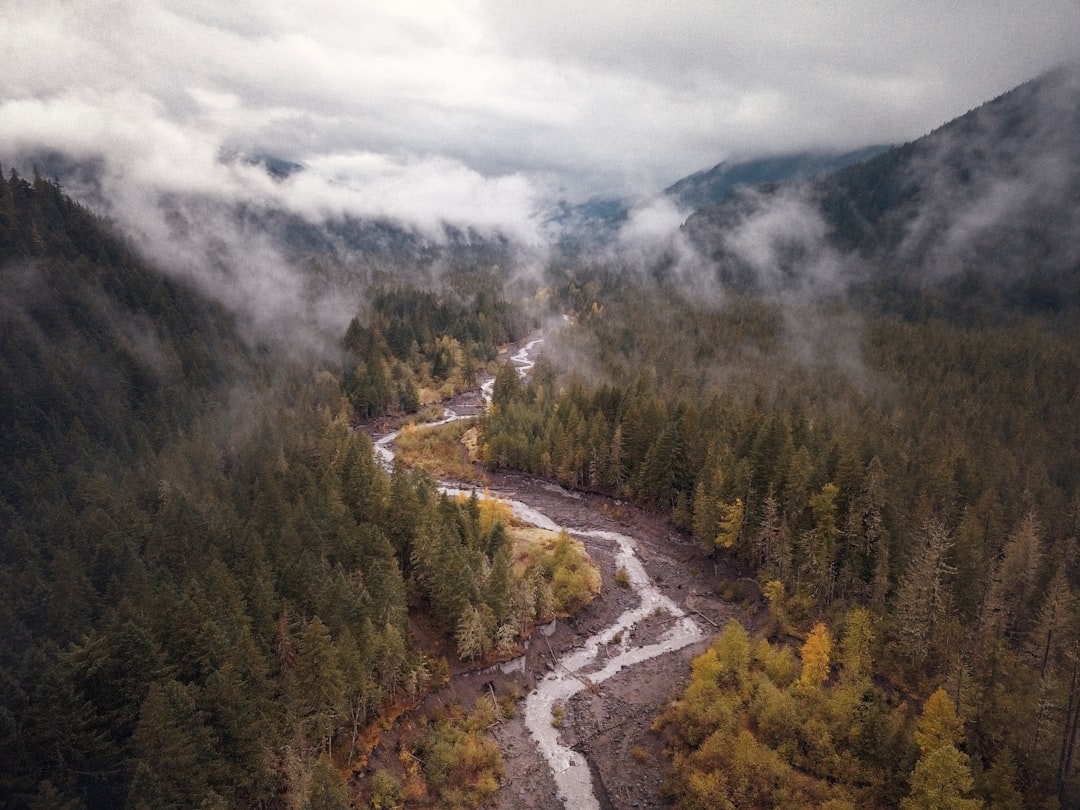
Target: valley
column 611, row 667
column 768, row 493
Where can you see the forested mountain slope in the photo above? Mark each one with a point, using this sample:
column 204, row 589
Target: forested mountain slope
column 711, row 186
column 868, row 393
column 207, row 579
column 982, row 213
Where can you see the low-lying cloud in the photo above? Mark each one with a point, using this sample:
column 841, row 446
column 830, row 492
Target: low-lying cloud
column 176, row 189
column 475, row 115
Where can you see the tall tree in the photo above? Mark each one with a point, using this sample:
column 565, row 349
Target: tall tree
column 922, row 601
column 316, row 686
column 174, row 750
column 816, row 653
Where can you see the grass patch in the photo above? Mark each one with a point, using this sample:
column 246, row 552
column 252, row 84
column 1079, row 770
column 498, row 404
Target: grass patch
column 558, row 715
column 439, row 451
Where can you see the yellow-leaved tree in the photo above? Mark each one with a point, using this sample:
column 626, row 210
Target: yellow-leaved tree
column 942, row 777
column 816, row 654
column 940, row 724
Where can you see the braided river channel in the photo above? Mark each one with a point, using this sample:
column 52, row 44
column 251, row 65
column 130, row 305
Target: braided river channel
column 584, row 666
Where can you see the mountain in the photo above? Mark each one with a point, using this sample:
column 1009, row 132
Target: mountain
column 203, row 565
column 705, row 188
column 980, row 214
column 598, row 221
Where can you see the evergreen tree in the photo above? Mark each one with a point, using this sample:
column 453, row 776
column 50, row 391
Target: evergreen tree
column 472, row 636
column 774, row 542
column 499, row 580
column 316, row 687
column 327, row 789
column 856, row 646
column 1017, row 575
column 174, row 750
column 923, row 599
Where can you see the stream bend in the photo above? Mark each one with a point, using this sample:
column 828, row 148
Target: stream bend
column 581, row 667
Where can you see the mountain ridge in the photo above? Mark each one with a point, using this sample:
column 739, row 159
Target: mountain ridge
column 709, row 186
column 987, row 203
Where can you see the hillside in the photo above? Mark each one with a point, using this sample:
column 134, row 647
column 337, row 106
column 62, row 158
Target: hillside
column 865, row 392
column 712, row 186
column 984, row 211
column 208, row 580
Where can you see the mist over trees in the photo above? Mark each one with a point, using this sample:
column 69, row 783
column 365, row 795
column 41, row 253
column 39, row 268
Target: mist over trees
column 876, row 410
column 862, row 389
column 208, row 578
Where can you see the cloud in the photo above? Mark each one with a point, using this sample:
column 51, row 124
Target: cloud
column 651, row 222
column 477, row 112
column 998, row 191
column 425, row 193
column 777, row 243
column 594, row 98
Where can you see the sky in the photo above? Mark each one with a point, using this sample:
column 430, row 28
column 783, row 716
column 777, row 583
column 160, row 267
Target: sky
column 483, row 111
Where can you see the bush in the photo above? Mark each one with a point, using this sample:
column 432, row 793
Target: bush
column 462, row 764
column 385, row 790
column 574, row 579
column 558, row 714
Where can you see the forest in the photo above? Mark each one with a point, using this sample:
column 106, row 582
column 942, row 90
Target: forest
column 933, row 486
column 208, row 579
column 216, row 596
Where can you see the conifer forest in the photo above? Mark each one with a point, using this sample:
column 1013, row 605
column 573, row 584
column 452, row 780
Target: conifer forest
column 262, row 561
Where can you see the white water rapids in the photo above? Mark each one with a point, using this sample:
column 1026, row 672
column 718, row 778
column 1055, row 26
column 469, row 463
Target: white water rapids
column 572, row 673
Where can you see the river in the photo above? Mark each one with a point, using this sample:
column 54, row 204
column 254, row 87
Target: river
column 581, row 667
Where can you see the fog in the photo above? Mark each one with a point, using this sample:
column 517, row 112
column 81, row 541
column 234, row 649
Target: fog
column 161, row 117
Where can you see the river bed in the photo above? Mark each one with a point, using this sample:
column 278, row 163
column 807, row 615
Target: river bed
column 592, row 661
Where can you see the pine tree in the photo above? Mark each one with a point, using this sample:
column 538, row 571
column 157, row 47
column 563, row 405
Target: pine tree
column 1046, row 643
column 773, row 540
column 316, row 686
column 923, row 601
column 499, row 580
column 856, row 646
column 326, row 789
column 174, row 749
column 471, row 636
column 615, row 469
column 1017, row 575
column 706, row 514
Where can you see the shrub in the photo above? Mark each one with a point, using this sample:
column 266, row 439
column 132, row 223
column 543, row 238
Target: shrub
column 558, row 713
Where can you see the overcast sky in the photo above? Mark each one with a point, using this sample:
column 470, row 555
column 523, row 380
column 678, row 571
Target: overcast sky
column 480, row 110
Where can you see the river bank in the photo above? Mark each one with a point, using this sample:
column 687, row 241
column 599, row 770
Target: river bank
column 610, row 668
